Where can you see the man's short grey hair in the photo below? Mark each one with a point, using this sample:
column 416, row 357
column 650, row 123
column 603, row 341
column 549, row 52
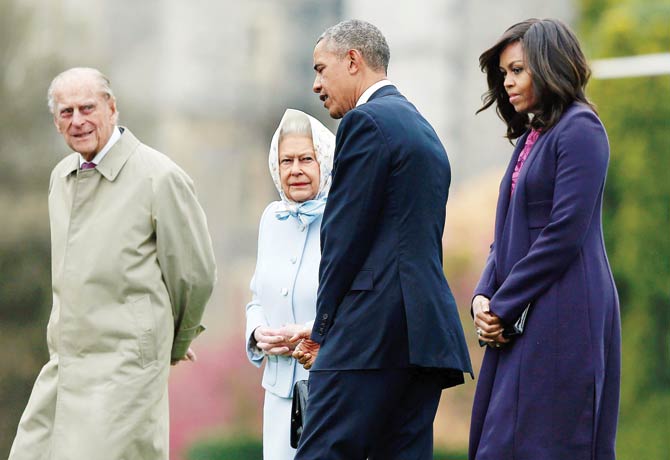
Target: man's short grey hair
column 103, row 82
column 295, row 122
column 361, row 36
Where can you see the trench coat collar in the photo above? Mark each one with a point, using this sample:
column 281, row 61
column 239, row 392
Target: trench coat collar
column 113, row 162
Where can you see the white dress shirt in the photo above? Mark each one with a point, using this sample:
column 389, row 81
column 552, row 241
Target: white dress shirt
column 116, row 135
column 371, row 90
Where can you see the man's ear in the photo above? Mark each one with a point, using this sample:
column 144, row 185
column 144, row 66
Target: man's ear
column 111, row 102
column 56, row 124
column 356, row 61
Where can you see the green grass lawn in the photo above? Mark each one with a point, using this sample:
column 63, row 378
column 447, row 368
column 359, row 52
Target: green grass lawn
column 245, row 448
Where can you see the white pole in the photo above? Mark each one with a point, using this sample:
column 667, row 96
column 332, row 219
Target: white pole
column 645, row 65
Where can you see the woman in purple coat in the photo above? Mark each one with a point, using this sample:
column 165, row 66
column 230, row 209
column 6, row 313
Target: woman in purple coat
column 551, row 392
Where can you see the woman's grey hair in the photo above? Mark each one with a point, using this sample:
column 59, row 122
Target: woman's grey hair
column 103, row 81
column 295, row 122
column 361, row 36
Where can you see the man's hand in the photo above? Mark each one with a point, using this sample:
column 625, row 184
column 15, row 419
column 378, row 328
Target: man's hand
column 306, row 351
column 489, row 327
column 190, row 356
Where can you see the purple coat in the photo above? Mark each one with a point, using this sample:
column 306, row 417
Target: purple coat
column 553, row 393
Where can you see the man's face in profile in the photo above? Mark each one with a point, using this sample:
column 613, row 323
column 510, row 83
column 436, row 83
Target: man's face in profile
column 334, row 80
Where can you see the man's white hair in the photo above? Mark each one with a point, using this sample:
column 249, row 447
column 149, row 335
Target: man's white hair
column 103, row 81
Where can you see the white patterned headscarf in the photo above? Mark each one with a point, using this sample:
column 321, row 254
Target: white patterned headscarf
column 324, row 146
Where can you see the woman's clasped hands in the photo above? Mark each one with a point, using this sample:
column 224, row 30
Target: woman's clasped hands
column 288, row 340
column 277, row 341
column 488, row 325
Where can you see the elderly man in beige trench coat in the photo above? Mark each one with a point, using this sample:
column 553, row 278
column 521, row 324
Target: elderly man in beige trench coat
column 132, row 270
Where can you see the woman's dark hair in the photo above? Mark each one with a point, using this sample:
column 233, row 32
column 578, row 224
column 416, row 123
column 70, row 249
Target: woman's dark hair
column 558, row 70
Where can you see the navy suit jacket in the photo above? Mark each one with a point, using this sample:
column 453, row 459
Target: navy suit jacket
column 383, row 300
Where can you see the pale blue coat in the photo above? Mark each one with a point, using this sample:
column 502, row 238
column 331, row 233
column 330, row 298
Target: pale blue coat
column 284, row 290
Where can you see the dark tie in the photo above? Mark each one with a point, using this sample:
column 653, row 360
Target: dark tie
column 87, row 165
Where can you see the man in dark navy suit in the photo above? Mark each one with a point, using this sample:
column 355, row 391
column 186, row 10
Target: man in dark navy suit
column 387, row 332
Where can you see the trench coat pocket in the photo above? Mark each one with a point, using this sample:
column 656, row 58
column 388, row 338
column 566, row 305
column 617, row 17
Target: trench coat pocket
column 145, row 325
column 538, row 213
column 364, row 281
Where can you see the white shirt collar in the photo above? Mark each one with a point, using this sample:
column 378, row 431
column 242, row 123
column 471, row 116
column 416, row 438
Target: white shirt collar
column 116, row 135
column 371, row 90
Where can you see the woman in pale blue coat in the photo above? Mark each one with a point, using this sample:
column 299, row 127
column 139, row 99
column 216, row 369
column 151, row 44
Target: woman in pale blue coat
column 285, row 282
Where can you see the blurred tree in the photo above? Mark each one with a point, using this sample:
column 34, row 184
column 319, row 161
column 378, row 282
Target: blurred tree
column 636, row 113
column 25, row 134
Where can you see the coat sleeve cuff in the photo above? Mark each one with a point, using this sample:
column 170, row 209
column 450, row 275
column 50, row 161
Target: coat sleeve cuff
column 254, row 353
column 183, row 340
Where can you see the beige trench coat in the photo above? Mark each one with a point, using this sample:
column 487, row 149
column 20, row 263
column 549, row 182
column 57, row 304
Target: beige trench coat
column 132, row 269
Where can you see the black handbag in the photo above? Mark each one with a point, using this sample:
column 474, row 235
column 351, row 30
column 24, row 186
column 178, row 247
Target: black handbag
column 518, row 327
column 514, row 329
column 298, row 408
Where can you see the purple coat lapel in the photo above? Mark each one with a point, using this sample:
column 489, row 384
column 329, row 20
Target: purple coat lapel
column 511, row 213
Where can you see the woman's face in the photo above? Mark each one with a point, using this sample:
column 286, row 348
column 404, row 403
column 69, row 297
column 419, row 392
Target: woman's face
column 298, row 169
column 517, row 79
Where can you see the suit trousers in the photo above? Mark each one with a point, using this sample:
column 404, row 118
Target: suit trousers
column 375, row 414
